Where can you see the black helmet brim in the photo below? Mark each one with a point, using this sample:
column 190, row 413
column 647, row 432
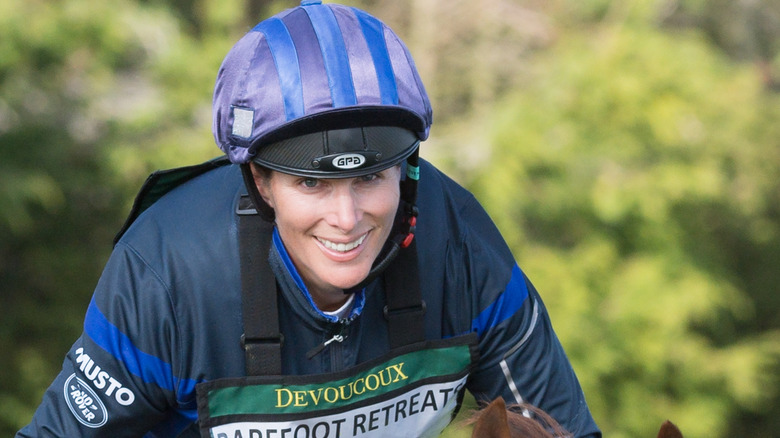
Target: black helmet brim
column 339, row 153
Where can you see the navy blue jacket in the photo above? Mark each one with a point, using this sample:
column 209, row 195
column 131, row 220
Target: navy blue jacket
column 166, row 315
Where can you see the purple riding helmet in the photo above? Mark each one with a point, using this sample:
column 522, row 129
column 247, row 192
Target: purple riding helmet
column 326, row 91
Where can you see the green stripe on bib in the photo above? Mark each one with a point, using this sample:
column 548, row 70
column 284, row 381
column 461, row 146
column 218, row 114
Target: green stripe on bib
column 399, row 372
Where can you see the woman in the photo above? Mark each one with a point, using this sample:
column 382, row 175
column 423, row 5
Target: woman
column 320, row 280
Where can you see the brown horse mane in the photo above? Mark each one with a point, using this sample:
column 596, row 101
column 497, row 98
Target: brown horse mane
column 497, row 420
column 500, row 420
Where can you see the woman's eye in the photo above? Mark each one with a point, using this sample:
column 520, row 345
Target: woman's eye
column 310, row 182
column 369, row 177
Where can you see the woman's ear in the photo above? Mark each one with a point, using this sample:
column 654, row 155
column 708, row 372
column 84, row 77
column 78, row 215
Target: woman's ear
column 262, row 179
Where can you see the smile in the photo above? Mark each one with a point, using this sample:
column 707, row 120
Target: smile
column 342, row 247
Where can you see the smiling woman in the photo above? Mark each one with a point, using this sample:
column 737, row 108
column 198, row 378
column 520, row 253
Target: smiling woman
column 333, row 229
column 289, row 288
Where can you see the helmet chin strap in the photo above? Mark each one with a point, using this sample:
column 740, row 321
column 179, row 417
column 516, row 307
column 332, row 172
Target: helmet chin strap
column 403, row 228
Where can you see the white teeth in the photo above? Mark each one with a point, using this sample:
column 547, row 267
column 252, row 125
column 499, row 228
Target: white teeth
column 342, row 247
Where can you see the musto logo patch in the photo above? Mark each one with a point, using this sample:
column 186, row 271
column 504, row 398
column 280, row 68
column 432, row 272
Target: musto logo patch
column 84, row 403
column 102, row 380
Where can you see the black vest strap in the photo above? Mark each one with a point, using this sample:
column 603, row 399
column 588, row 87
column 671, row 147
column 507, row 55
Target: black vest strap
column 405, row 308
column 262, row 340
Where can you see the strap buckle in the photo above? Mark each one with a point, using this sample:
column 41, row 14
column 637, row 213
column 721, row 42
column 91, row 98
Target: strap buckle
column 405, row 311
column 245, row 206
column 247, row 343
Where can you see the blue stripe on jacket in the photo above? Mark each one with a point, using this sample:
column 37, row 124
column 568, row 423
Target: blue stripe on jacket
column 506, row 305
column 148, row 368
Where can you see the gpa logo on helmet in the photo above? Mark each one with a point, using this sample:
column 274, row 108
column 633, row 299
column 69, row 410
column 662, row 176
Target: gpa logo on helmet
column 84, row 403
column 348, row 161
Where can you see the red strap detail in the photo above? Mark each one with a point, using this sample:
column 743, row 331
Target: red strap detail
column 407, row 240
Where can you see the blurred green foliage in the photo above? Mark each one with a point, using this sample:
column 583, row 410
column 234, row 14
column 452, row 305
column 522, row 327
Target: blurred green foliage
column 628, row 150
column 635, row 176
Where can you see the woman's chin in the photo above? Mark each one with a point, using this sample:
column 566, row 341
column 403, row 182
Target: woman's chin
column 349, row 280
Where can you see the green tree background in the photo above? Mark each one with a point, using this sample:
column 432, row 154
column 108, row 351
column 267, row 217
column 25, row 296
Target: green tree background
column 628, row 150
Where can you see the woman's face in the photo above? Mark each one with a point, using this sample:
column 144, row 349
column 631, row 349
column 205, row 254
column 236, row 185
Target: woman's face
column 333, row 229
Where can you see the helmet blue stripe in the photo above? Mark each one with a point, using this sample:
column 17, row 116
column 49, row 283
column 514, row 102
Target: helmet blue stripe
column 334, row 54
column 286, row 59
column 373, row 31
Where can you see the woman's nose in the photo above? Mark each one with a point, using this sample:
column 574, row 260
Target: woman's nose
column 344, row 209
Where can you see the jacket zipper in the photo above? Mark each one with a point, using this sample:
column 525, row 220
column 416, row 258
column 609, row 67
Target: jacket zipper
column 338, row 336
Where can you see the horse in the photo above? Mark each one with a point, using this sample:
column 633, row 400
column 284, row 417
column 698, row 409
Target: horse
column 497, row 420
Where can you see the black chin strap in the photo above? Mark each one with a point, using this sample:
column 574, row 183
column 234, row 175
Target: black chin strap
column 405, row 308
column 404, row 228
